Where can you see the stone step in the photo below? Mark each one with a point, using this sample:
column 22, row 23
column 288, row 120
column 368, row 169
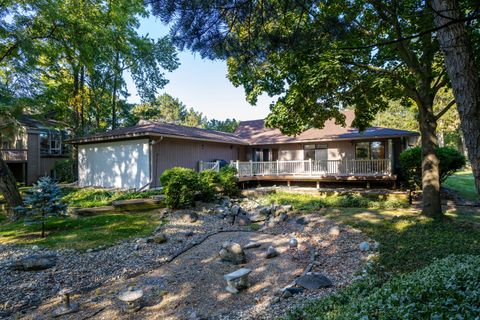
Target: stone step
column 86, row 212
column 137, row 204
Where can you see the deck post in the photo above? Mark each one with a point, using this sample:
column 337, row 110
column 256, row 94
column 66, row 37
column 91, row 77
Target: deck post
column 200, row 166
column 288, row 183
column 237, row 165
column 278, row 167
column 251, row 168
column 318, row 184
column 217, row 165
column 310, row 160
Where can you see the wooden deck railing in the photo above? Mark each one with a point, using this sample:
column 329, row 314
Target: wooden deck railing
column 343, row 167
column 209, row 165
column 14, row 154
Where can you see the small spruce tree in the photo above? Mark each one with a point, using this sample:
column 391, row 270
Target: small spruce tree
column 42, row 201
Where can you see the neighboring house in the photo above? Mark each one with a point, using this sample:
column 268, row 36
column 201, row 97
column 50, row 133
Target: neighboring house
column 135, row 157
column 33, row 151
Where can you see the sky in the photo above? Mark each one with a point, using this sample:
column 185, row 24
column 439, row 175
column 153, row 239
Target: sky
column 202, row 84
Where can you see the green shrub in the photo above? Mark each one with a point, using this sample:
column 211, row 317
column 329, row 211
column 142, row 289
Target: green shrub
column 446, row 289
column 64, row 170
column 229, row 181
column 180, row 186
column 450, row 159
column 208, row 183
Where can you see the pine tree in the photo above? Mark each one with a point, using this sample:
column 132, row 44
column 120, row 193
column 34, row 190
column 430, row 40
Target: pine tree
column 42, row 201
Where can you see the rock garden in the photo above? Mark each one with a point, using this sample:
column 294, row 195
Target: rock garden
column 225, row 259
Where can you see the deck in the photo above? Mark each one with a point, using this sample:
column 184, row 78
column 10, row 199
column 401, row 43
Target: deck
column 311, row 170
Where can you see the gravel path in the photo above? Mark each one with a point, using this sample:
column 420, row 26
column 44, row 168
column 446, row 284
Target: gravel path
column 192, row 285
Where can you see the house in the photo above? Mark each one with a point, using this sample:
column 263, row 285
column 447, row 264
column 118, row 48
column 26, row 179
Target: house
column 34, row 149
column 135, row 157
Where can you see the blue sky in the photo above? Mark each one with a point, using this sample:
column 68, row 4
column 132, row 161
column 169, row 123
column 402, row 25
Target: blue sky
column 202, row 84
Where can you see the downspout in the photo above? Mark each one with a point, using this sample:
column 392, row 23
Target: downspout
column 151, row 143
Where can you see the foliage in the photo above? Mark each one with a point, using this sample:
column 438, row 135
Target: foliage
column 208, row 184
column 84, row 232
column 91, row 197
column 42, row 201
column 446, row 289
column 229, row 181
column 463, row 183
column 179, row 187
column 227, row 125
column 311, row 203
column 64, row 170
column 451, row 160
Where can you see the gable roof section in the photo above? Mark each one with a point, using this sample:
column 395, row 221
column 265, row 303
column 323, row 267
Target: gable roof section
column 256, row 133
column 148, row 128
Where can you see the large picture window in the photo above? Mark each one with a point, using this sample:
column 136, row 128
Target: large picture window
column 315, row 152
column 370, row 150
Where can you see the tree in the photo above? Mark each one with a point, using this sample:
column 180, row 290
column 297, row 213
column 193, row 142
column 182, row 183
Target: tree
column 165, row 108
column 319, row 56
column 459, row 44
column 194, row 119
column 227, row 125
column 42, row 201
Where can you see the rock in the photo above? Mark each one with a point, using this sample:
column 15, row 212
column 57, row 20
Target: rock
column 313, row 281
column 263, row 210
column 252, row 245
column 376, row 245
column 35, row 248
column 293, row 243
column 189, row 216
column 271, row 223
column 334, row 231
column 136, row 247
column 283, row 217
column 89, row 250
column 189, row 234
column 302, row 221
column 237, row 280
column 234, row 210
column 364, row 246
column 34, row 263
column 159, row 238
column 257, row 217
column 271, row 252
column 290, row 291
column 136, row 204
column 87, row 212
column 232, row 252
column 287, row 207
column 242, row 220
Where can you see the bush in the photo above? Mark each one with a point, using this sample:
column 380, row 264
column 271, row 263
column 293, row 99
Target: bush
column 208, row 183
column 64, row 170
column 450, row 159
column 42, row 201
column 180, row 186
column 229, row 181
column 447, row 289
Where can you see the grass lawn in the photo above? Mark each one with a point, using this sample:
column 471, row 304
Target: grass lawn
column 408, row 242
column 82, row 233
column 462, row 182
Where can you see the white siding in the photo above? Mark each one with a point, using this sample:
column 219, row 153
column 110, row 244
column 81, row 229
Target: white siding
column 120, row 164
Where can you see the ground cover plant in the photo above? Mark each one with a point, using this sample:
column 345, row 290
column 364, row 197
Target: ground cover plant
column 91, row 197
column 81, row 233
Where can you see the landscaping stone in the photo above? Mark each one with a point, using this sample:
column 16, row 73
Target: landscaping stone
column 158, row 239
column 85, row 212
column 234, row 210
column 271, row 252
column 34, row 263
column 232, row 252
column 252, row 245
column 132, row 299
column 283, row 217
column 242, row 220
column 313, row 281
column 188, row 215
column 189, row 234
column 237, row 280
column 264, row 210
column 291, row 291
column 364, row 246
column 68, row 307
column 257, row 217
column 302, row 221
column 334, row 231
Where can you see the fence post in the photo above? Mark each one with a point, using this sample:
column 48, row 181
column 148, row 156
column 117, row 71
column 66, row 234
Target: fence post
column 200, row 166
column 217, row 165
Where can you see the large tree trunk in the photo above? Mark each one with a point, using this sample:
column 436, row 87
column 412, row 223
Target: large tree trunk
column 464, row 75
column 431, row 202
column 8, row 188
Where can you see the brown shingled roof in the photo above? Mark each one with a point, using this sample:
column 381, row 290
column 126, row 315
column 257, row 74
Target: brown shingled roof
column 148, row 128
column 256, row 133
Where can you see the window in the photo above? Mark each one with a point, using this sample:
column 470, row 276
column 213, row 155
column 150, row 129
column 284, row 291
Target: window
column 370, row 150
column 315, row 152
column 19, row 145
column 5, row 144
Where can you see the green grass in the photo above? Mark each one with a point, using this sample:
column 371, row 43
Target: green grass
column 463, row 183
column 81, row 233
column 91, row 197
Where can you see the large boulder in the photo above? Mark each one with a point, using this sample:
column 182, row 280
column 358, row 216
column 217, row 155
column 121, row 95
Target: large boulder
column 313, row 281
column 242, row 220
column 188, row 215
column 232, row 252
column 34, row 263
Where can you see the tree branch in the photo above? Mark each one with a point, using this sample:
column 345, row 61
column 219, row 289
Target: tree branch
column 445, row 109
